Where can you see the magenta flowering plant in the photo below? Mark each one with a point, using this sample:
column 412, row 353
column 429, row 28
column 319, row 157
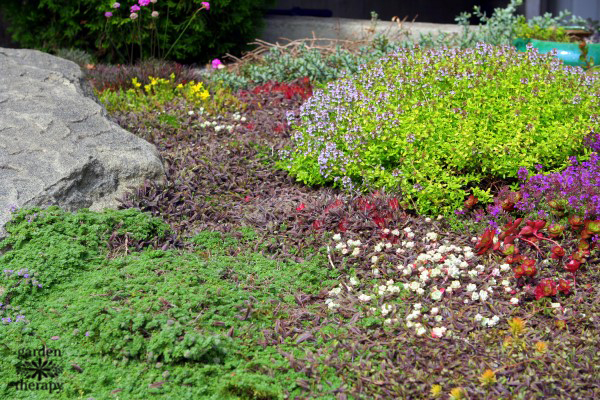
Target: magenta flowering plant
column 143, row 21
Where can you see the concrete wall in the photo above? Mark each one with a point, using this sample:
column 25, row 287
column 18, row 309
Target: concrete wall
column 436, row 11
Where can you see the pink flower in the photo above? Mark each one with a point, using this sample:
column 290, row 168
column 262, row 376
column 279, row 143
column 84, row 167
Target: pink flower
column 133, row 15
column 143, row 2
column 154, row 14
column 116, row 5
column 217, row 64
column 108, row 14
column 206, row 5
column 135, row 8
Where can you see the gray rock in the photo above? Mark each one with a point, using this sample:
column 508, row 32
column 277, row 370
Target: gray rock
column 57, row 146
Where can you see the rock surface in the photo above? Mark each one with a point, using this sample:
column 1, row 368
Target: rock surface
column 57, row 146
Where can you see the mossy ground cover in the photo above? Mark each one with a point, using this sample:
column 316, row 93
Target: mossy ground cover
column 228, row 282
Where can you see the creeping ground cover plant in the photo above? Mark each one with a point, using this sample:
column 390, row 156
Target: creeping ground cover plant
column 441, row 124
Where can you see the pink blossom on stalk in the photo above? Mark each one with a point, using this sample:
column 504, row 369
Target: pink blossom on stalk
column 135, row 8
column 133, row 15
column 154, row 14
column 116, row 5
column 108, row 14
column 217, row 64
column 206, row 5
column 143, row 3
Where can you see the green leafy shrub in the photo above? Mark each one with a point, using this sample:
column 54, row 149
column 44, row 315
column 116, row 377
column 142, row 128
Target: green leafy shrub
column 281, row 66
column 438, row 124
column 52, row 24
column 554, row 34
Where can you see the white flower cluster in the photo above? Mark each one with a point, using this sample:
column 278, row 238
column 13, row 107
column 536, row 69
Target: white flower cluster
column 343, row 247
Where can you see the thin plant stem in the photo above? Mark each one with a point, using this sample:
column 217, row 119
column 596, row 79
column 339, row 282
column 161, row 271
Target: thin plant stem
column 182, row 32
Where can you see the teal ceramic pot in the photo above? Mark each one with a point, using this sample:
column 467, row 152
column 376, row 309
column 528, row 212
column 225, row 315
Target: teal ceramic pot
column 568, row 52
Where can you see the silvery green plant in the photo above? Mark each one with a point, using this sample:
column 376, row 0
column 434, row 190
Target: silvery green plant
column 434, row 124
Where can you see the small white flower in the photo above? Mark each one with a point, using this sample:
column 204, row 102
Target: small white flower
column 407, row 271
column 335, row 291
column 455, row 284
column 386, row 231
column 468, row 255
column 504, row 267
column 364, row 297
column 410, row 235
column 466, row 301
column 507, row 289
column 407, row 229
column 471, row 287
column 480, row 268
column 337, row 237
column 417, row 306
column 409, row 324
column 555, row 305
column 388, row 321
column 356, row 251
column 483, row 295
column 505, row 282
column 243, row 119
column 440, row 217
column 431, row 236
column 414, row 286
column 438, row 332
column 473, row 273
column 475, row 296
column 420, row 291
column 374, row 259
column 434, row 311
column 474, row 240
column 190, row 113
column 427, row 219
column 357, row 243
column 377, row 249
column 463, row 264
column 495, row 272
column 388, row 245
column 514, row 301
column 396, row 232
column 344, row 251
column 478, row 317
column 436, row 295
column 340, row 246
column 438, row 318
column 376, row 272
column 420, row 331
column 410, row 245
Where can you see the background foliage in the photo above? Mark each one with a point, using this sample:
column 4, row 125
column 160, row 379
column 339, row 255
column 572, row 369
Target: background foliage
column 49, row 25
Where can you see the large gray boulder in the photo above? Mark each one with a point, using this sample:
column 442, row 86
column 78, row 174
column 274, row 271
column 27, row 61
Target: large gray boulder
column 57, row 146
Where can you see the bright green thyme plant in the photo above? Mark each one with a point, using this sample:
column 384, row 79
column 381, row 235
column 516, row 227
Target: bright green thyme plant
column 436, row 124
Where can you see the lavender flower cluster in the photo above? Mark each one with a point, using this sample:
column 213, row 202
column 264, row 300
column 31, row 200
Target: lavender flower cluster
column 23, row 275
column 579, row 184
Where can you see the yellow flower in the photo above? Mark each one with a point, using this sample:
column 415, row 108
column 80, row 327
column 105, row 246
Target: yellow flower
column 153, row 81
column 180, row 86
column 517, row 326
column 488, row 377
column 204, row 95
column 436, row 390
column 136, row 83
column 541, row 347
column 172, row 76
column 457, row 393
column 148, row 88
